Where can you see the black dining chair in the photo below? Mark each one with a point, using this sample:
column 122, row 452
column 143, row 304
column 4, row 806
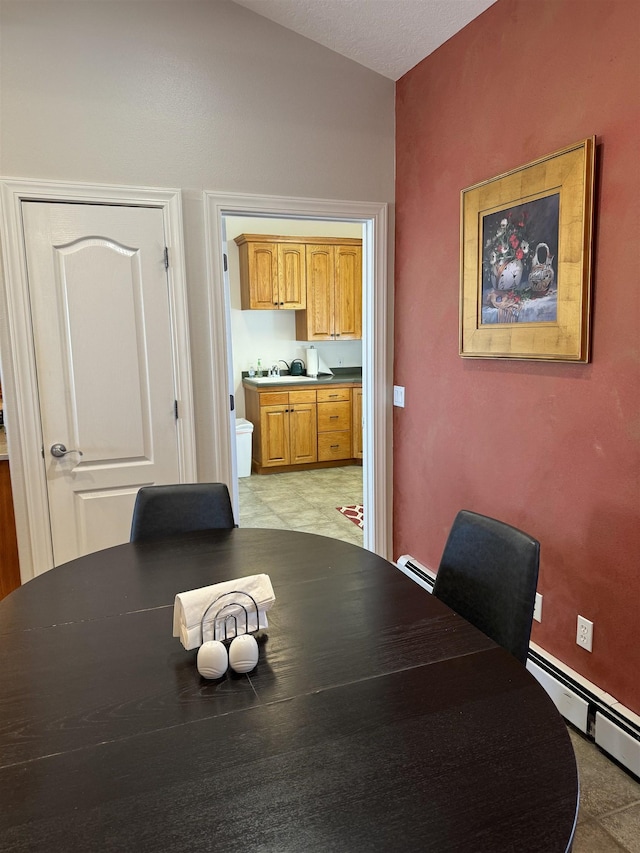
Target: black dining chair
column 488, row 574
column 180, row 508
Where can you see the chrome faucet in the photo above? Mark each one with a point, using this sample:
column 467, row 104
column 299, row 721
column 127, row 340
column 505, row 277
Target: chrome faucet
column 274, row 370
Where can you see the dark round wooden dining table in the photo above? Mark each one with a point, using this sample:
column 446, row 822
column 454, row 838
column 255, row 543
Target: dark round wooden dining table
column 377, row 719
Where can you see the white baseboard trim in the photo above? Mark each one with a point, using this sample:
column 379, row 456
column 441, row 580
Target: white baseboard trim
column 612, row 726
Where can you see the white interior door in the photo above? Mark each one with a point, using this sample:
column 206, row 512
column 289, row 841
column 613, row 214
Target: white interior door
column 102, row 339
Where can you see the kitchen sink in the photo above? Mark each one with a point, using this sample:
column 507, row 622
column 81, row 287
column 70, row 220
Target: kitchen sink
column 281, row 380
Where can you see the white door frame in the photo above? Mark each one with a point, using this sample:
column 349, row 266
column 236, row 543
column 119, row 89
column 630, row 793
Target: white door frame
column 19, row 378
column 376, row 344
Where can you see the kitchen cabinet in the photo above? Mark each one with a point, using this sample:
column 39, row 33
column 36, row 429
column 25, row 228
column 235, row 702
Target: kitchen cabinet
column 310, row 427
column 356, row 423
column 334, row 423
column 334, row 292
column 320, row 278
column 285, row 429
column 9, row 564
column 272, row 273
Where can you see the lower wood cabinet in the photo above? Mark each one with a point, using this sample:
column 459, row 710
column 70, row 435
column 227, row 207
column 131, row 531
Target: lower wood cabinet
column 287, row 432
column 311, row 427
column 9, row 564
column 334, row 423
column 356, row 423
column 284, row 427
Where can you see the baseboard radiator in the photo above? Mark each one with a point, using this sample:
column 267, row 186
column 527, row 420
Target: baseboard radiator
column 614, row 728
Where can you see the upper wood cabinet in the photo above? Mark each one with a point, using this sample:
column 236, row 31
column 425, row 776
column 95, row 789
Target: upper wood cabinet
column 318, row 277
column 334, row 292
column 272, row 273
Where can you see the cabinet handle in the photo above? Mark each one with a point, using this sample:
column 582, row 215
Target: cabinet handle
column 334, row 395
column 337, row 334
column 335, row 446
column 333, row 417
column 282, row 303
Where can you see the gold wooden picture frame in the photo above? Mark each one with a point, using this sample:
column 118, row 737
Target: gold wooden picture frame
column 525, row 247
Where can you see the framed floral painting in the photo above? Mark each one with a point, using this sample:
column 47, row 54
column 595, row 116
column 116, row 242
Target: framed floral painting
column 526, row 260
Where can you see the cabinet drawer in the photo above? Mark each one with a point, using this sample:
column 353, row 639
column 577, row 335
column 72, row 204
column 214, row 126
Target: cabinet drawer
column 334, row 445
column 274, row 398
column 332, row 395
column 302, row 396
column 334, row 416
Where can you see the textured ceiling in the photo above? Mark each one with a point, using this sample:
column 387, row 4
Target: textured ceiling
column 387, row 36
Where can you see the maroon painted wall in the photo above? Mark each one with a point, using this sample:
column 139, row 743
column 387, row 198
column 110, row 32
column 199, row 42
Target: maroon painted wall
column 548, row 447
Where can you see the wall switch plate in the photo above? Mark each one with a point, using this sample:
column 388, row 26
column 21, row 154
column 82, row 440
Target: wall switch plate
column 537, row 608
column 584, row 634
column 398, row 395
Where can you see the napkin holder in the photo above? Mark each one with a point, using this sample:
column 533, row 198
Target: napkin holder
column 231, row 616
column 230, row 608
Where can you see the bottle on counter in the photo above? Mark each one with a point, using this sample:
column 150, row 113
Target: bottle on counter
column 252, row 371
column 259, row 368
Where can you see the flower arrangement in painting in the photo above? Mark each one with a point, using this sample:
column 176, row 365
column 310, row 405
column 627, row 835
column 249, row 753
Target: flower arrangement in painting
column 506, row 253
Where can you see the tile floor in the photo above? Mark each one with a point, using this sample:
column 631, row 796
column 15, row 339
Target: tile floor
column 609, row 817
column 303, row 500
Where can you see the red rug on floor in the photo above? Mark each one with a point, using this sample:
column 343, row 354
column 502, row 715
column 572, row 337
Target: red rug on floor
column 355, row 513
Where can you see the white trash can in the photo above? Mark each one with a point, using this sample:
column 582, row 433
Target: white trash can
column 244, row 433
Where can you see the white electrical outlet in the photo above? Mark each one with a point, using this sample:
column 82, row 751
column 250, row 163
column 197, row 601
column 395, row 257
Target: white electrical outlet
column 398, row 395
column 537, row 608
column 584, row 634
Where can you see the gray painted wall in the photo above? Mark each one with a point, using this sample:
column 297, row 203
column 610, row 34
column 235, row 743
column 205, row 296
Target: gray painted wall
column 193, row 94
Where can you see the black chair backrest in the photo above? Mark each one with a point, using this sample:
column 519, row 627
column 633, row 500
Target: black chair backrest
column 180, row 508
column 488, row 574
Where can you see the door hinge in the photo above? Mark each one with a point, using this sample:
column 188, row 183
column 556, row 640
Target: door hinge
column 232, row 402
column 224, row 259
column 166, row 257
column 175, row 409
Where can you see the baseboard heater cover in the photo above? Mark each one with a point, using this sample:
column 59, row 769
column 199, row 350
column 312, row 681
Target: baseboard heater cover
column 423, row 576
column 614, row 728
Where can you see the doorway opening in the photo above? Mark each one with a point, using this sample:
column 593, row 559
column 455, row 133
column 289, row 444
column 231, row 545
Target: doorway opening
column 305, row 216
column 316, row 500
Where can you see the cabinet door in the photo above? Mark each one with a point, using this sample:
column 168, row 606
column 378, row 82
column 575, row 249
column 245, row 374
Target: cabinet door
column 356, row 426
column 292, row 287
column 348, row 293
column 317, row 321
column 259, row 276
column 303, row 433
column 274, row 435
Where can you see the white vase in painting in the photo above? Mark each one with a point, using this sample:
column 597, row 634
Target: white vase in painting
column 507, row 276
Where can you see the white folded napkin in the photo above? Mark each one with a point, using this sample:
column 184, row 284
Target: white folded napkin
column 190, row 607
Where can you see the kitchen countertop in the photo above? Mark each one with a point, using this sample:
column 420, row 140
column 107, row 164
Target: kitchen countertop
column 341, row 376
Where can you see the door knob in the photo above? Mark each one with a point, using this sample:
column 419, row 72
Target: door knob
column 59, row 450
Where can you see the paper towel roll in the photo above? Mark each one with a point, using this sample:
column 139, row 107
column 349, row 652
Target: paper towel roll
column 312, row 362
